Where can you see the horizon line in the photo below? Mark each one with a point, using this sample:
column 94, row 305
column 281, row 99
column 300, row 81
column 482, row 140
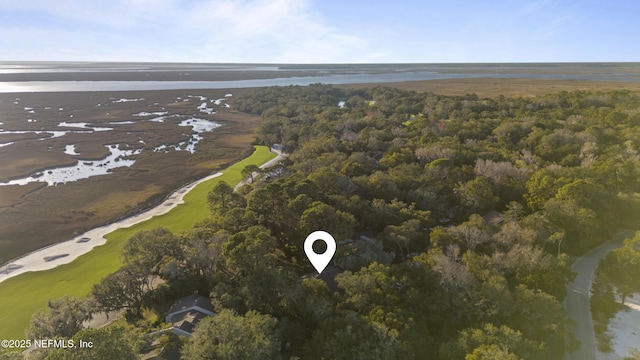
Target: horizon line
column 306, row 64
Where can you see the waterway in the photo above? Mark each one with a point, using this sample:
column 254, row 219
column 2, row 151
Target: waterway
column 327, row 74
column 81, row 170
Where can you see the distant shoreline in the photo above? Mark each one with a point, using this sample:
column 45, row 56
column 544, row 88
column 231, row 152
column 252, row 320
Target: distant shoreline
column 53, row 77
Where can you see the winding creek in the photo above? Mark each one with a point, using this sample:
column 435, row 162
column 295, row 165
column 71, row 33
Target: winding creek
column 82, row 169
column 119, row 155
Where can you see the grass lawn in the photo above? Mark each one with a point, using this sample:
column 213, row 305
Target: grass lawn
column 22, row 295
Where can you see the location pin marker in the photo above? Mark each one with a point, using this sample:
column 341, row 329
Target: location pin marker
column 320, row 261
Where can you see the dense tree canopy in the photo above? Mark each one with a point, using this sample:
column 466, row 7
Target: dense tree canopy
column 113, row 342
column 64, row 318
column 621, row 266
column 454, row 216
column 229, row 336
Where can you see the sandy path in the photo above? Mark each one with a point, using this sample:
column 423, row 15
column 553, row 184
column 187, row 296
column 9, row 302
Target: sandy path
column 281, row 156
column 67, row 251
column 273, row 161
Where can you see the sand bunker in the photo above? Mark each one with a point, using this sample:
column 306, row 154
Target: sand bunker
column 54, row 257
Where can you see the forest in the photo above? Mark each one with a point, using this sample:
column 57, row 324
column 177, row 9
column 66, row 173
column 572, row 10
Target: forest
column 456, row 220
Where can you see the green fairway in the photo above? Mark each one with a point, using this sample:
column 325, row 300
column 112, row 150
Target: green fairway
column 22, row 295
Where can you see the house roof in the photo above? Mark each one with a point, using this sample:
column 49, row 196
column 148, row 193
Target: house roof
column 190, row 302
column 187, row 312
column 493, row 217
column 187, row 321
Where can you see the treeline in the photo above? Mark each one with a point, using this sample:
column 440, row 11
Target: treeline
column 572, row 158
column 453, row 215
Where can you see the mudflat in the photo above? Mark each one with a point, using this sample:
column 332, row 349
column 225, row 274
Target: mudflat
column 167, row 130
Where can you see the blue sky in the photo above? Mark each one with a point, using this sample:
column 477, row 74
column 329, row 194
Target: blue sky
column 320, row 31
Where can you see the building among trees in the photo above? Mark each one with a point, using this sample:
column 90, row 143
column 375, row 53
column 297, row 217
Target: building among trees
column 187, row 312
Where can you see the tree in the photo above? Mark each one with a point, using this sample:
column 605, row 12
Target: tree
column 531, row 266
column 320, row 216
column 578, row 223
column 542, row 186
column 107, row 343
column 348, row 336
column 541, row 318
column 250, row 171
column 147, row 249
column 369, row 288
column 621, row 266
column 229, row 336
column 476, row 195
column 251, row 277
column 11, row 354
column 312, row 302
column 602, row 301
column 472, row 233
column 478, row 343
column 406, row 236
column 200, row 251
column 124, row 289
column 492, row 352
column 249, row 252
column 269, row 203
column 222, row 198
column 331, row 182
column 64, row 318
column 448, row 266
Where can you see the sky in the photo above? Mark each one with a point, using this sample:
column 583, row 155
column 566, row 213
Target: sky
column 320, row 31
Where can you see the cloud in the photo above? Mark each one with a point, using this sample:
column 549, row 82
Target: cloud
column 311, row 31
column 172, row 30
column 279, row 31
